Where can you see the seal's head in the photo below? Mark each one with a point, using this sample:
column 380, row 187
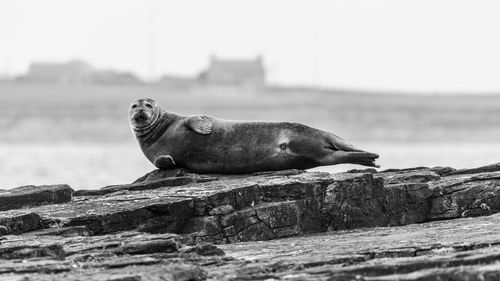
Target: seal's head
column 143, row 113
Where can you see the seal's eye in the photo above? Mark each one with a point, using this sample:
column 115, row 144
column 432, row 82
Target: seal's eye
column 148, row 105
column 283, row 146
column 134, row 106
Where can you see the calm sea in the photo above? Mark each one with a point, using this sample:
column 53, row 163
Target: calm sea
column 91, row 166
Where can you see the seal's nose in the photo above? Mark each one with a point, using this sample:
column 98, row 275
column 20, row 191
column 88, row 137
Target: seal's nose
column 140, row 116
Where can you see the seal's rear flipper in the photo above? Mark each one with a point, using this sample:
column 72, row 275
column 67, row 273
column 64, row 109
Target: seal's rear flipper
column 358, row 157
column 338, row 143
column 350, row 157
column 165, row 162
column 344, row 152
column 199, row 124
column 368, row 162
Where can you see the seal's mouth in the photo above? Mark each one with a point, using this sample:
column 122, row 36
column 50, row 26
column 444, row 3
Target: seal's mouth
column 141, row 117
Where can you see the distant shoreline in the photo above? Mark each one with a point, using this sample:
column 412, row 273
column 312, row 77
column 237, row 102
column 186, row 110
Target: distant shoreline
column 270, row 89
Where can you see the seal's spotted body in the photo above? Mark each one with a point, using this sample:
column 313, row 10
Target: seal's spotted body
column 206, row 144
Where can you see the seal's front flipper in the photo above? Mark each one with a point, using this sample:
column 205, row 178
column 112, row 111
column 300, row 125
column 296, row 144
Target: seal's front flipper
column 199, row 124
column 165, row 162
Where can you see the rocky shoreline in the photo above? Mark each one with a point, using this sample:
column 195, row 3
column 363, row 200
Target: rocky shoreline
column 413, row 224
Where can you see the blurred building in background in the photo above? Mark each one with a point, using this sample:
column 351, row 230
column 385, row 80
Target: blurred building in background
column 71, row 72
column 114, row 77
column 233, row 75
column 179, row 83
column 221, row 76
column 75, row 72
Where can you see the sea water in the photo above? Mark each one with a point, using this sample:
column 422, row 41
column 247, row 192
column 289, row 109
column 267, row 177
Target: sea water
column 95, row 165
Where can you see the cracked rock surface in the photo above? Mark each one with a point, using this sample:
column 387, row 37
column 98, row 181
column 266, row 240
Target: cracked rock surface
column 411, row 224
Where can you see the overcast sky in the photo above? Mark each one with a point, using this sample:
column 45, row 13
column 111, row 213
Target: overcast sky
column 421, row 45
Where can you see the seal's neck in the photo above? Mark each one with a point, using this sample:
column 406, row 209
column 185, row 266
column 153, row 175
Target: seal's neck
column 153, row 132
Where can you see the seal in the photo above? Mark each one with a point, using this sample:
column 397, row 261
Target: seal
column 205, row 144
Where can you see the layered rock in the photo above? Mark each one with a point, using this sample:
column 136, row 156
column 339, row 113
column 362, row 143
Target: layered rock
column 31, row 195
column 461, row 249
column 124, row 256
column 225, row 209
column 147, row 225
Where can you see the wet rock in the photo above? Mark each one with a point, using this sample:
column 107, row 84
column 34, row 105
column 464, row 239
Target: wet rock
column 108, row 257
column 429, row 251
column 203, row 226
column 147, row 184
column 226, row 209
column 411, row 175
column 465, row 195
column 222, row 210
column 20, row 223
column 443, row 171
column 203, row 249
column 30, row 195
column 148, row 247
column 240, row 219
column 362, row 171
column 162, row 174
column 63, row 231
column 54, row 251
column 407, row 203
column 488, row 168
column 168, row 224
column 354, row 200
column 3, row 230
